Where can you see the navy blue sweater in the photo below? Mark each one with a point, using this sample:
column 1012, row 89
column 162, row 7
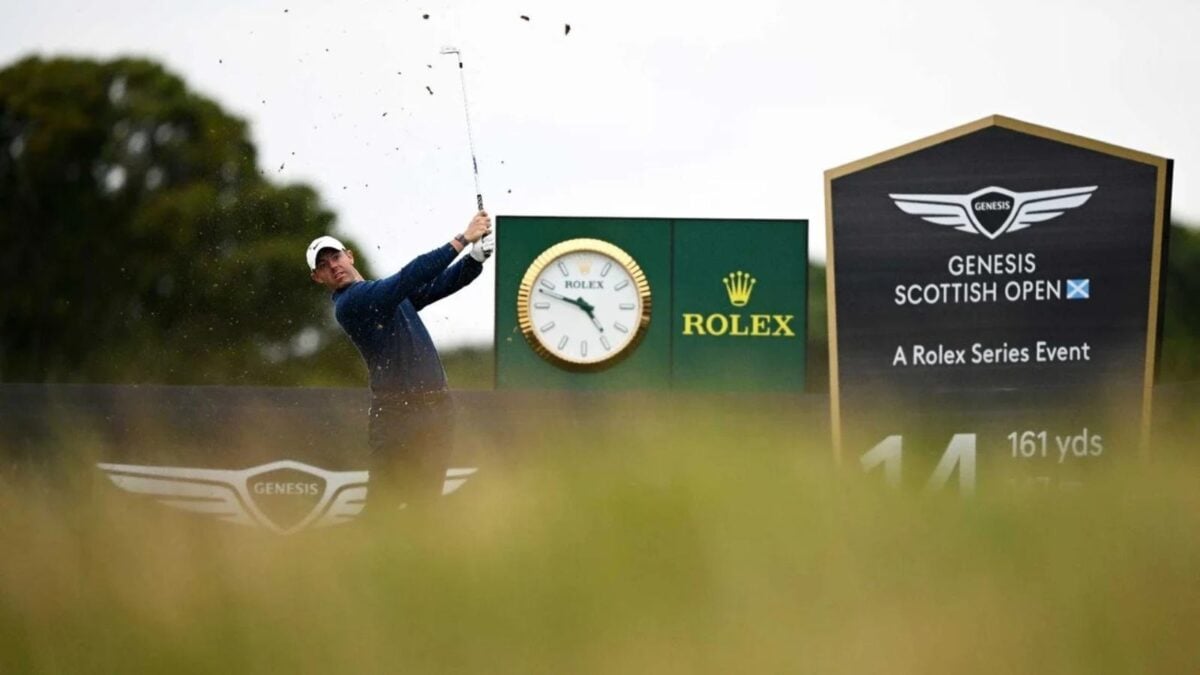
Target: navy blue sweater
column 381, row 319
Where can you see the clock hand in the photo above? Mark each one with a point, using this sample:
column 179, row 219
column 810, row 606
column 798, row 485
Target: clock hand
column 591, row 312
column 556, row 295
column 564, row 298
column 578, row 302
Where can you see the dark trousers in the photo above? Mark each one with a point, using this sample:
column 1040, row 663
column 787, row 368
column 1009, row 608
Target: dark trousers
column 410, row 438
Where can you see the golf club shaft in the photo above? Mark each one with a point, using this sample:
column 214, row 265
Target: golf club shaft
column 462, row 79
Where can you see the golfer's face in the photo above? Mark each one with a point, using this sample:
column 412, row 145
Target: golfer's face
column 334, row 268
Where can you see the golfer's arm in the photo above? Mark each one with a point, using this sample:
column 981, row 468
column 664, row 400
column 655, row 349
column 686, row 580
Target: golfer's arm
column 422, row 270
column 459, row 275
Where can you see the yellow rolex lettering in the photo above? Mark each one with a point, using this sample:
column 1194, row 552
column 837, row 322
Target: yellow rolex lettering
column 782, row 326
column 760, row 324
column 716, row 324
column 737, row 327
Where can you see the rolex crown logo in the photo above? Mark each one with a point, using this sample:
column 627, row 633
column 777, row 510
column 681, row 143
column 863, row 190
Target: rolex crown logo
column 585, row 266
column 739, row 285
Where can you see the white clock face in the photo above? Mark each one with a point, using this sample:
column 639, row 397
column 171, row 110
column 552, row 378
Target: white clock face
column 585, row 306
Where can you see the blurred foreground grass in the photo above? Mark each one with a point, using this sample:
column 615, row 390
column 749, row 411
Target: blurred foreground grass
column 629, row 539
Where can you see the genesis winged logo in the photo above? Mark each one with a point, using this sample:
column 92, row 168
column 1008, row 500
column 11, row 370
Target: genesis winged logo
column 993, row 211
column 284, row 496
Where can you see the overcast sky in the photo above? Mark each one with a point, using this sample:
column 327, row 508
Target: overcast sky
column 657, row 109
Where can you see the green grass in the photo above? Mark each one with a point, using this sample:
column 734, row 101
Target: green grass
column 629, row 539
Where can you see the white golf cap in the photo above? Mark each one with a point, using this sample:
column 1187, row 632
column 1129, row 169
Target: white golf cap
column 319, row 243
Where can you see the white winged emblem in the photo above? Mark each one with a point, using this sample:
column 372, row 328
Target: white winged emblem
column 993, row 211
column 236, row 496
column 227, row 494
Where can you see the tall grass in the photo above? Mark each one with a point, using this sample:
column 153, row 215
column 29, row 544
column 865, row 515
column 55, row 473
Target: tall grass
column 637, row 538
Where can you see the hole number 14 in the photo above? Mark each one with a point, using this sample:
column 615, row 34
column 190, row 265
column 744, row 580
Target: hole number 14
column 959, row 455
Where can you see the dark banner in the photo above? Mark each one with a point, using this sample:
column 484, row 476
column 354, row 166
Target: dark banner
column 292, row 459
column 289, row 459
column 993, row 304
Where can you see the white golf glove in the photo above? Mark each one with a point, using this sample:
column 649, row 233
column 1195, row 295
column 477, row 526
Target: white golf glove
column 482, row 249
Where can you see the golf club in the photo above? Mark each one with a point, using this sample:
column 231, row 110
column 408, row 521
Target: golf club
column 467, row 112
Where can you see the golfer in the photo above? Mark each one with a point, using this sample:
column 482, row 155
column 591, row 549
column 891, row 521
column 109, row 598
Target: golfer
column 411, row 418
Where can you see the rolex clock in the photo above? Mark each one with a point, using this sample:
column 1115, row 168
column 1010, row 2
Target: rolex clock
column 584, row 305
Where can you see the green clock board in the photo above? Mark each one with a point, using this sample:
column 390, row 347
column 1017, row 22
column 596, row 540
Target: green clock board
column 643, row 303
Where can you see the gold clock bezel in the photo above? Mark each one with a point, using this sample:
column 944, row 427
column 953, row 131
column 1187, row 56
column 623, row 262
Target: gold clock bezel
column 547, row 257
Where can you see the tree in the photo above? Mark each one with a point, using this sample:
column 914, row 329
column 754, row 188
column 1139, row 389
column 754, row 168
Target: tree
column 1180, row 356
column 143, row 244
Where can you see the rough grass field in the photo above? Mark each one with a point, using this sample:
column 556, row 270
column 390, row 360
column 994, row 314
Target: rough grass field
column 639, row 539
